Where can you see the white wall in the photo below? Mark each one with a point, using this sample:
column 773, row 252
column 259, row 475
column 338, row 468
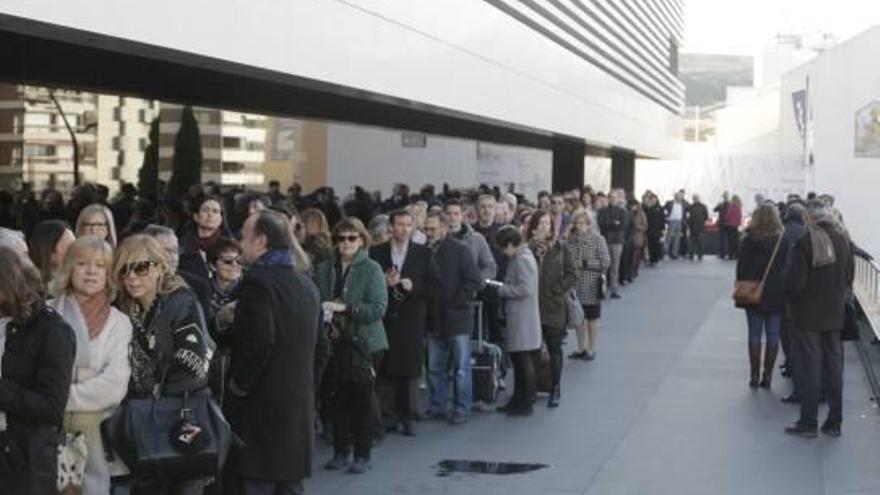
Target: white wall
column 460, row 54
column 375, row 159
column 842, row 80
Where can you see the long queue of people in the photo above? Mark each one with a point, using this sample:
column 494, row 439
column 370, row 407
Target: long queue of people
column 277, row 317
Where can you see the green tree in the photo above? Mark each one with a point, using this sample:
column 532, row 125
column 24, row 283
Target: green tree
column 148, row 176
column 186, row 169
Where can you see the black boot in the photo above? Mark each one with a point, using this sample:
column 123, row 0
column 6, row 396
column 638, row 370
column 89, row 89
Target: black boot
column 769, row 362
column 553, row 401
column 754, row 364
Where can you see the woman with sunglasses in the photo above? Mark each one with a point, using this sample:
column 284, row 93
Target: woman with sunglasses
column 225, row 262
column 170, row 348
column 352, row 287
column 97, row 220
column 83, row 292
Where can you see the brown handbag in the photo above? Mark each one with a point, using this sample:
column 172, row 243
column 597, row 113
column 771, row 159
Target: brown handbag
column 749, row 292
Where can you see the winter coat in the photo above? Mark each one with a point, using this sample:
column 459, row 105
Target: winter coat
column 592, row 259
column 272, row 342
column 100, row 382
column 521, row 303
column 696, row 217
column 407, row 313
column 365, row 297
column 640, row 222
column 656, row 221
column 754, row 255
column 557, row 275
column 612, row 222
column 34, row 389
column 479, row 250
column 455, row 288
column 172, row 341
column 818, row 294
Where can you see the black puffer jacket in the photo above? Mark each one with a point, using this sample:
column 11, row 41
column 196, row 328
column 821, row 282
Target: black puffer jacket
column 37, row 371
column 171, row 340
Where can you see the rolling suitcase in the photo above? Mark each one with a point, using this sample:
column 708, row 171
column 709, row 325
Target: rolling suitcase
column 485, row 362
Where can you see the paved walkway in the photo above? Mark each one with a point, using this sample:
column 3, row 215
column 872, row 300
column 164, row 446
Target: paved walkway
column 663, row 409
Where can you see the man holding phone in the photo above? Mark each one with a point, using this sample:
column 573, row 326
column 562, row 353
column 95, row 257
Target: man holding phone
column 407, row 276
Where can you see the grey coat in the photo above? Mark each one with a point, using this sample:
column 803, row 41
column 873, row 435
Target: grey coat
column 480, row 250
column 520, row 296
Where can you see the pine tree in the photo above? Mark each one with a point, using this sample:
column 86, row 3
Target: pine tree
column 187, row 165
column 148, row 176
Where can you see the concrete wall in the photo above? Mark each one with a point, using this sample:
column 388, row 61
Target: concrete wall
column 375, row 159
column 842, row 81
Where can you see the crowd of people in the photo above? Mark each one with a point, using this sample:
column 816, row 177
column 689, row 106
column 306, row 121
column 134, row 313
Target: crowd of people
column 794, row 280
column 282, row 307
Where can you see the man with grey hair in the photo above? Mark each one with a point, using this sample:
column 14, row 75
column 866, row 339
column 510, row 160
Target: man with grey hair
column 380, row 229
column 820, row 280
column 512, row 203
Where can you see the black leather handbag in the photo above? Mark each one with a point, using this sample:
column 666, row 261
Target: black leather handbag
column 169, row 437
column 850, row 330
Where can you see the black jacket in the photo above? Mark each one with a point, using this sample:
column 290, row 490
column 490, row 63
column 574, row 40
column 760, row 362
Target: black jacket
column 37, row 372
column 754, row 255
column 406, row 316
column 656, row 221
column 697, row 215
column 173, row 342
column 612, row 223
column 272, row 341
column 818, row 295
column 455, row 287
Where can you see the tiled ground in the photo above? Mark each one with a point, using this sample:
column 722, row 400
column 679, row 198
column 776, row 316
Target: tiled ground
column 664, row 409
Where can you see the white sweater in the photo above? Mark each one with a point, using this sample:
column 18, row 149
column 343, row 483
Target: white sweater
column 102, row 382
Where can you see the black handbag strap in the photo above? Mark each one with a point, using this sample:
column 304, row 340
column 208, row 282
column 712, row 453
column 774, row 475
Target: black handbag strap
column 770, row 263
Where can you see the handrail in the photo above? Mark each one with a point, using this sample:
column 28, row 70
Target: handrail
column 866, row 288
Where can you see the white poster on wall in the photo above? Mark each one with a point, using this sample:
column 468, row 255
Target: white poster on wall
column 868, row 131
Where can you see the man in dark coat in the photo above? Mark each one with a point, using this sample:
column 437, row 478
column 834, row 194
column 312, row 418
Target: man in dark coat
column 697, row 214
column 451, row 322
column 820, row 278
column 407, row 268
column 270, row 404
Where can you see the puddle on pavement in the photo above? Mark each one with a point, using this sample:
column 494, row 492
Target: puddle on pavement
column 448, row 467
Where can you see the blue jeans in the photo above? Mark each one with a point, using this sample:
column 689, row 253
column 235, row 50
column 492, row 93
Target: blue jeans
column 763, row 323
column 673, row 238
column 443, row 354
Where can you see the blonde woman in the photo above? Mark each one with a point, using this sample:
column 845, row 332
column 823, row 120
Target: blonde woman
column 97, row 220
column 83, row 291
column 170, row 347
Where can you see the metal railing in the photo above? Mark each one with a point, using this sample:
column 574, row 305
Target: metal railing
column 866, row 287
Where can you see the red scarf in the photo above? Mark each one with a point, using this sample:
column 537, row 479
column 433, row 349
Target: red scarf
column 95, row 311
column 206, row 243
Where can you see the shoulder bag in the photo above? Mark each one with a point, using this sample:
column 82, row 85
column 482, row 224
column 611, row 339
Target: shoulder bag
column 750, row 292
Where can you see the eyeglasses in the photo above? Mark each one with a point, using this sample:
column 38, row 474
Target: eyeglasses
column 139, row 268
column 230, row 261
column 348, row 238
column 94, row 225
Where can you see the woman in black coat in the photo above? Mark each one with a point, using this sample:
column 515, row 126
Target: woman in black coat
column 656, row 225
column 37, row 349
column 763, row 239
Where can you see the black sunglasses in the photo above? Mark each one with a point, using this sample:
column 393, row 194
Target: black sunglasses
column 230, row 261
column 347, row 238
column 139, row 268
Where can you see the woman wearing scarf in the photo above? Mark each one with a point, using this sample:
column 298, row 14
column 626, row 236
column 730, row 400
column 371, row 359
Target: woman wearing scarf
column 209, row 225
column 353, row 291
column 170, row 348
column 83, row 293
column 557, row 275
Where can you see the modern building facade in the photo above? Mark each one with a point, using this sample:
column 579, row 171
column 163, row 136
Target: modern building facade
column 571, row 77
